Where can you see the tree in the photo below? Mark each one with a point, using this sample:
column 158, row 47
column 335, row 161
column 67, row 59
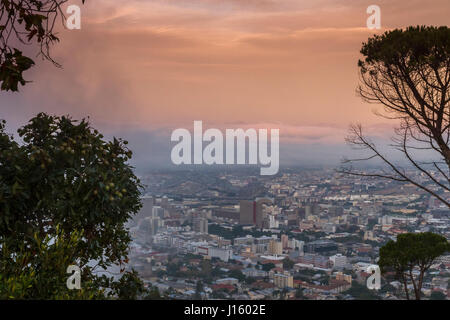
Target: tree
column 361, row 292
column 42, row 273
column 206, row 271
column 26, row 22
column 299, row 293
column 410, row 253
column 408, row 73
column 268, row 266
column 237, row 274
column 153, row 294
column 250, row 280
column 198, row 290
column 63, row 179
column 129, row 287
column 288, row 264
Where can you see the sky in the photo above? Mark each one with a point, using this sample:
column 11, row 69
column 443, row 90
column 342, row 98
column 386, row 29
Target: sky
column 142, row 68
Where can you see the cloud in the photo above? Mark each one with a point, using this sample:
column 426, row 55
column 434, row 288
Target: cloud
column 150, row 66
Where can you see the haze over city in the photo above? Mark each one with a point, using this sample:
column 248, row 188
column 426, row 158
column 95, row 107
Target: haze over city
column 140, row 69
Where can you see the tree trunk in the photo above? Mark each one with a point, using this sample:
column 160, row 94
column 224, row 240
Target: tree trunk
column 405, row 285
column 416, row 293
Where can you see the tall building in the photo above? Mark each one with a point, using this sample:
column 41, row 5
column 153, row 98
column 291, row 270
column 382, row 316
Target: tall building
column 251, row 212
column 312, row 210
column 308, row 211
column 200, row 225
column 283, row 280
column 275, row 247
column 150, row 226
column 285, row 241
column 164, row 202
column 247, row 212
column 157, row 212
column 270, row 222
column 297, row 245
column 146, row 209
column 339, row 261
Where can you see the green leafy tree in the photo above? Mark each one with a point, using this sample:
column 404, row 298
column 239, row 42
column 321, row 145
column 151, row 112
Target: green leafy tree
column 268, row 266
column 42, row 273
column 237, row 274
column 361, row 292
column 206, row 270
column 288, row 264
column 408, row 73
column 26, row 22
column 152, row 294
column 412, row 252
column 198, row 290
column 250, row 280
column 129, row 287
column 64, row 178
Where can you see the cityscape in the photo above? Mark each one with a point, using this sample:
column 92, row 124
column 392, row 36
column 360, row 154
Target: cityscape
column 224, row 157
column 303, row 234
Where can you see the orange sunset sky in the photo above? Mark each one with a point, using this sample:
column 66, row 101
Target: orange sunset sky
column 155, row 65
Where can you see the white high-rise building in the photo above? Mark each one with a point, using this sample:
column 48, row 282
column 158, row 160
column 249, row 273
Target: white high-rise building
column 339, row 260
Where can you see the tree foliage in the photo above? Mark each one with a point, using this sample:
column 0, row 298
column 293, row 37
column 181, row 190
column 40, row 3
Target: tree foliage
column 361, row 292
column 129, row 287
column 41, row 273
column 288, row 264
column 268, row 266
column 25, row 22
column 408, row 73
column 64, row 181
column 411, row 253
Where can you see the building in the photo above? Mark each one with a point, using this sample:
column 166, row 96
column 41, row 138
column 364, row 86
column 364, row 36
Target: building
column 343, row 277
column 368, row 235
column 221, row 253
column 329, row 228
column 157, row 212
column 325, row 247
column 254, row 273
column 146, row 209
column 247, row 240
column 247, row 212
column 275, row 247
column 150, row 226
column 314, row 260
column 229, row 281
column 227, row 213
column 251, row 212
column 297, row 244
column 200, row 225
column 281, row 280
column 285, row 241
column 339, row 261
